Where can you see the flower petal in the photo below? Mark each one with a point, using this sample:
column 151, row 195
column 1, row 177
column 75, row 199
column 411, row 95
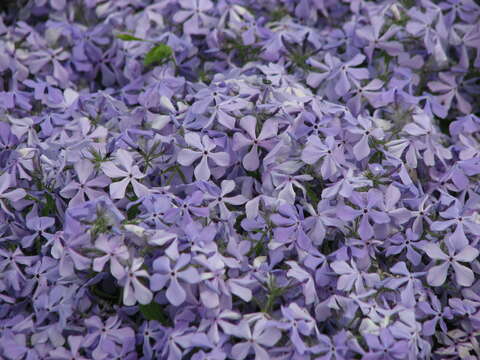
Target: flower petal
column 202, row 171
column 186, row 157
column 438, row 274
column 175, row 293
column 117, row 189
column 463, row 275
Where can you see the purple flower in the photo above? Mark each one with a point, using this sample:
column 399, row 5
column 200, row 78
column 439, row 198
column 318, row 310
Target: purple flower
column 384, row 346
column 269, row 130
column 106, row 336
column 470, row 147
column 262, row 335
column 422, row 24
column 130, row 174
column 298, row 322
column 181, row 337
column 305, row 279
column 216, row 322
column 165, row 273
column 345, row 186
column 351, row 276
column 214, row 279
column 281, row 185
column 372, row 35
column 291, row 228
column 156, row 206
column 448, row 89
column 284, row 185
column 41, row 58
column 115, row 252
column 411, row 243
column 348, row 71
column 406, row 282
column 332, row 348
column 438, row 274
column 194, row 17
column 220, row 199
column 12, row 195
column 440, row 314
column 133, row 289
column 331, row 155
column 369, row 91
column 421, row 215
column 65, row 249
column 73, row 352
column 86, row 184
column 331, row 63
column 11, row 266
column 367, row 131
column 204, row 149
column 370, row 206
column 150, row 332
column 39, row 225
column 187, row 208
column 461, row 217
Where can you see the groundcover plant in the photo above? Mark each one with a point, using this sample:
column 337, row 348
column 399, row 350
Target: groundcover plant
column 239, row 179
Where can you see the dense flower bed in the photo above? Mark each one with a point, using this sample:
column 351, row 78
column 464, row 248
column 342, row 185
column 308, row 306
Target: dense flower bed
column 233, row 179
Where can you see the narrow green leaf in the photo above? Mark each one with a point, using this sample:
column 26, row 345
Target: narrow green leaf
column 128, row 37
column 158, row 54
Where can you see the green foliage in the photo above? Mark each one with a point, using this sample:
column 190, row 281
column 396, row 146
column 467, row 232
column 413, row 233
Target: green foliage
column 149, row 155
column 101, row 225
column 274, row 293
column 105, row 296
column 254, row 174
column 242, row 53
column 50, row 207
column 159, row 54
column 278, row 14
column 408, row 3
column 128, row 37
column 97, row 158
column 133, row 211
column 154, row 311
column 175, row 170
column 259, row 248
column 312, row 194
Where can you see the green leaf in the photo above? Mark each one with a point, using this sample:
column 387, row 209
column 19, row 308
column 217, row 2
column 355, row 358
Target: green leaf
column 154, row 311
column 128, row 37
column 50, row 207
column 312, row 194
column 158, row 54
column 101, row 225
column 133, row 211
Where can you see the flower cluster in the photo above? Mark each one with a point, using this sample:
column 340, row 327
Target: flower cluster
column 239, row 179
